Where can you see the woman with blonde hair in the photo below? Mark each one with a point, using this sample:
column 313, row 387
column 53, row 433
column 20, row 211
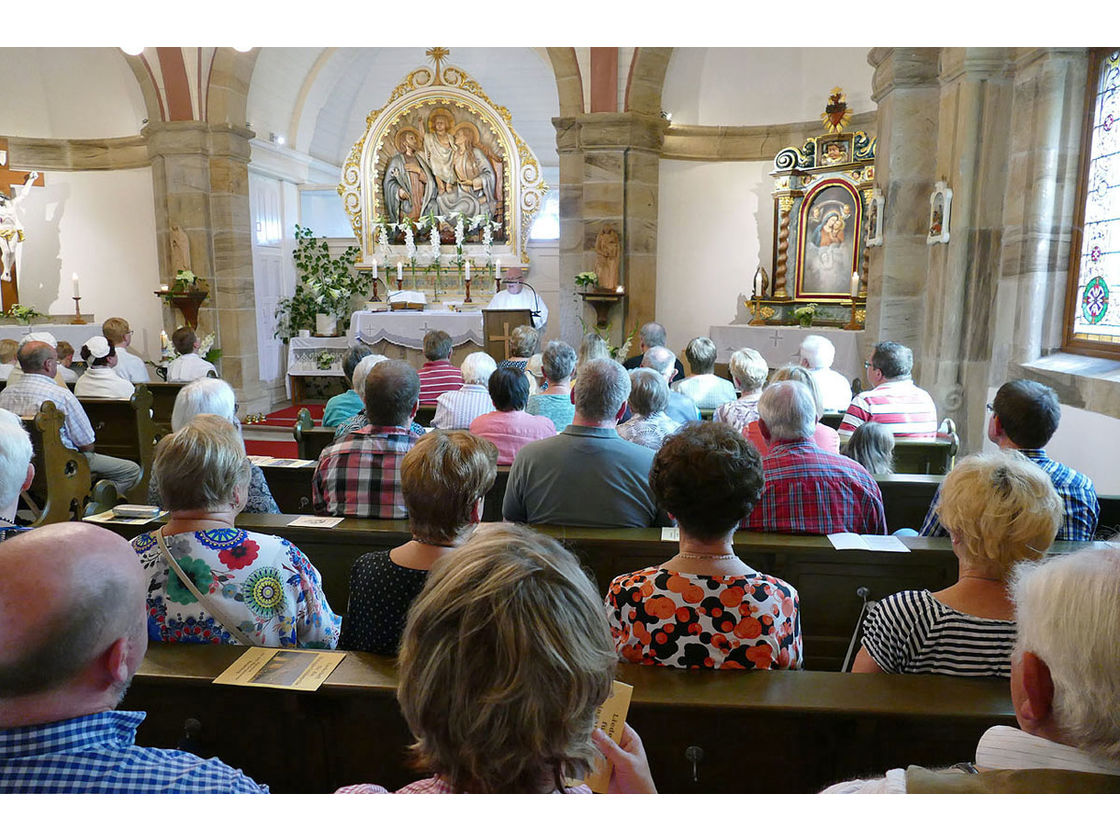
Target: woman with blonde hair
column 824, row 436
column 748, row 371
column 999, row 509
column 505, row 659
column 444, row 479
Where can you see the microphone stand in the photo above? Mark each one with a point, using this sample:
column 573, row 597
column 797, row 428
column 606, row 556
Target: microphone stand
column 535, row 312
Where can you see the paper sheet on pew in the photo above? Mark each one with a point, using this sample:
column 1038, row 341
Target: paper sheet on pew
column 671, row 534
column 295, row 670
column 866, row 542
column 268, row 461
column 610, row 718
column 315, row 521
column 109, row 516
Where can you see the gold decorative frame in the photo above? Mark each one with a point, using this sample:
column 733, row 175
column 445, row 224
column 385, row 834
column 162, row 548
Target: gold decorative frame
column 523, row 187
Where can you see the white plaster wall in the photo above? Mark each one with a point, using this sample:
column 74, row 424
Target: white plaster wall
column 762, row 85
column 100, row 225
column 70, row 93
column 715, row 227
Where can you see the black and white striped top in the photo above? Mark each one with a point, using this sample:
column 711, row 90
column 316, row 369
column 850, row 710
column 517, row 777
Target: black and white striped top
column 912, row 632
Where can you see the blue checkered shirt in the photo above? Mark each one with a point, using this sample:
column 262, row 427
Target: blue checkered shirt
column 1079, row 498
column 28, row 392
column 98, row 754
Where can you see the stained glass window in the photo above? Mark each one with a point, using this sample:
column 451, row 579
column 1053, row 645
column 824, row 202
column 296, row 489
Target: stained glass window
column 1095, row 307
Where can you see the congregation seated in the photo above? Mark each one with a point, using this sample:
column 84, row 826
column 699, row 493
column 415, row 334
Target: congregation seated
column 651, row 335
column 809, row 490
column 816, row 355
column 703, row 387
column 586, row 475
column 359, row 420
column 872, row 447
column 649, row 398
column 360, row 475
column 555, row 400
column 1025, row 415
column 705, row 608
column 510, row 427
column 60, row 731
column 65, row 352
column 129, row 365
column 893, row 400
column 524, row 341
column 100, row 380
column 824, row 436
column 749, row 372
column 506, row 658
column 8, row 348
column 188, row 365
column 458, row 409
column 16, row 373
column 1065, row 689
column 209, row 581
column 16, row 471
column 1000, row 510
column 444, row 479
column 663, row 361
column 215, row 396
column 343, row 406
column 39, row 363
column 437, row 374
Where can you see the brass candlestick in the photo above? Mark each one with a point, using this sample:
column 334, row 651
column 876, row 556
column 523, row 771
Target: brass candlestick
column 467, row 299
column 78, row 319
column 852, row 325
column 758, row 320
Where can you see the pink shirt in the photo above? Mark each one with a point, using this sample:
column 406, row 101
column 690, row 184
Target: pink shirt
column 825, row 437
column 510, row 430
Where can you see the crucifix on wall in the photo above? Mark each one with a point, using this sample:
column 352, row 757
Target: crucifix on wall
column 11, row 229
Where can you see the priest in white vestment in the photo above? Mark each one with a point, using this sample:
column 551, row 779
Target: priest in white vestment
column 516, row 296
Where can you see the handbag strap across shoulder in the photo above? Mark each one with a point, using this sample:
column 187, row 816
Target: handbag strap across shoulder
column 209, row 603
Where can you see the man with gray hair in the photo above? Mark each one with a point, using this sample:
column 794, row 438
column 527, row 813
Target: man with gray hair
column 817, row 354
column 663, row 360
column 586, row 475
column 703, row 387
column 650, row 335
column 894, row 400
column 809, row 490
column 649, row 397
column 1065, row 690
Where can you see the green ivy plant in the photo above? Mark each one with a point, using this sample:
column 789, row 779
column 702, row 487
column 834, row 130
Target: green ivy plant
column 326, row 285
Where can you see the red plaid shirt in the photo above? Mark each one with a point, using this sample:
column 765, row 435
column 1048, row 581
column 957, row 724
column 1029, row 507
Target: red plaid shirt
column 810, row 491
column 361, row 474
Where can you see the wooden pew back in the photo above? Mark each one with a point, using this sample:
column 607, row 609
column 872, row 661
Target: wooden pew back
column 62, row 476
column 163, row 403
column 124, row 429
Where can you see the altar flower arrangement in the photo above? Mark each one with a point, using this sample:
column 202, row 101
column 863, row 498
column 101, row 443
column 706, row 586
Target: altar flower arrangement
column 325, row 360
column 23, row 314
column 587, row 279
column 187, row 282
column 804, row 314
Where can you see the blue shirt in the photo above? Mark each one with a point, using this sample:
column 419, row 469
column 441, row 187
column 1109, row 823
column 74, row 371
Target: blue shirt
column 341, row 407
column 1079, row 498
column 98, row 754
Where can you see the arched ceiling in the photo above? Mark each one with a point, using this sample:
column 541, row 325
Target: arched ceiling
column 318, row 99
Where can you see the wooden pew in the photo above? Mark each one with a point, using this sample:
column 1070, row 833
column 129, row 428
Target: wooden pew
column 807, row 729
column 311, row 439
column 163, row 403
column 124, row 429
column 832, row 419
column 906, row 498
column 290, row 487
column 62, row 476
column 1109, row 523
column 935, row 456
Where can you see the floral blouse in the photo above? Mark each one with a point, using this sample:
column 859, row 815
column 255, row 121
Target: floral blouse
column 660, row 617
column 263, row 582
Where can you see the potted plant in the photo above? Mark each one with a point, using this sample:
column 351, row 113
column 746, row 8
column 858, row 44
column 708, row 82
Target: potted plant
column 587, row 280
column 804, row 314
column 325, row 288
column 23, row 315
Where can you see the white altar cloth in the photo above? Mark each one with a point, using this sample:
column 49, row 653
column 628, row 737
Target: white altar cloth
column 407, row 328
column 780, row 346
column 303, row 355
column 76, row 334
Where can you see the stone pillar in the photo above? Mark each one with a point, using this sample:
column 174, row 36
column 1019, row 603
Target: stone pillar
column 201, row 183
column 906, row 90
column 609, row 173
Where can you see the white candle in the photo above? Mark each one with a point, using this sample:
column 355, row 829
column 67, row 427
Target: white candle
column 855, row 283
column 375, row 268
column 497, row 269
column 758, row 284
column 468, row 267
column 163, row 287
column 400, row 270
column 74, row 277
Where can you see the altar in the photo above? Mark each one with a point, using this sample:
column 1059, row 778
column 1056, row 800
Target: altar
column 780, row 345
column 76, row 334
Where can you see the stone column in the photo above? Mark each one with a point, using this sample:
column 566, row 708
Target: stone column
column 201, row 181
column 609, row 173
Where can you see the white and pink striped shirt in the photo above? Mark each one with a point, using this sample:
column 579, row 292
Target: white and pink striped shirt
column 900, row 404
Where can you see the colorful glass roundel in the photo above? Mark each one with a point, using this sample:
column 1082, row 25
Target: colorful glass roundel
column 1094, row 300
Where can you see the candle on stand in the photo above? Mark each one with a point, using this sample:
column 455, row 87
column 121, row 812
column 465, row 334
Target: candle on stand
column 497, row 269
column 375, row 268
column 400, row 271
column 467, row 265
column 74, row 277
column 758, row 284
column 855, row 284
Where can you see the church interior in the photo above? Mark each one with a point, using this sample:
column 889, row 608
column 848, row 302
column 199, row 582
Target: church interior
column 945, row 198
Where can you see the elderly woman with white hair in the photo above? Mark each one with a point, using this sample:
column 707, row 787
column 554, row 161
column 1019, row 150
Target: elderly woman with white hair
column 100, row 379
column 649, row 397
column 1000, row 509
column 458, row 409
column 215, row 396
column 16, row 470
column 360, row 420
column 749, row 371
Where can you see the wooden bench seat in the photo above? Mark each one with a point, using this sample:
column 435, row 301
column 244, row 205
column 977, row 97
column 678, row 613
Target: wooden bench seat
column 806, row 730
column 124, row 429
column 62, row 477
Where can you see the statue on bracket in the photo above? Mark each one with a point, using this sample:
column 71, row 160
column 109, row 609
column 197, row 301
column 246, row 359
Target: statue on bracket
column 607, row 250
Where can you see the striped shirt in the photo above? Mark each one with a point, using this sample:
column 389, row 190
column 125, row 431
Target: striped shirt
column 436, row 378
column 98, row 754
column 361, row 474
column 1079, row 499
column 912, row 632
column 32, row 389
column 810, row 491
column 898, row 403
column 459, row 409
